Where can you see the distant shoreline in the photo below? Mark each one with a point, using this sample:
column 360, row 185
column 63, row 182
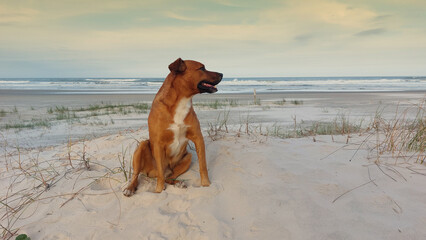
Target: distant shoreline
column 129, row 92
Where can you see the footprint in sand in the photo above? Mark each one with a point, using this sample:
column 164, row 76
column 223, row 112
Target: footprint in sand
column 101, row 184
column 206, row 192
column 175, row 206
column 179, row 226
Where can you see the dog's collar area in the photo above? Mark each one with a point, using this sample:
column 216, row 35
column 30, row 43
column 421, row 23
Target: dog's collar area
column 205, row 86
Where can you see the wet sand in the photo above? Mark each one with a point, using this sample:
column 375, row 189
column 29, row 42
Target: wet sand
column 43, row 98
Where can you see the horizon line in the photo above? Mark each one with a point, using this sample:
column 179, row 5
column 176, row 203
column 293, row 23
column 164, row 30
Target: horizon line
column 335, row 76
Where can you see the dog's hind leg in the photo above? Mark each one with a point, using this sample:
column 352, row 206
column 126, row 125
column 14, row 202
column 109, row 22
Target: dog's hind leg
column 138, row 163
column 179, row 169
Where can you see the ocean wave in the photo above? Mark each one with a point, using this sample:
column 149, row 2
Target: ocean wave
column 231, row 85
column 244, row 82
column 14, row 82
column 111, row 80
column 154, row 83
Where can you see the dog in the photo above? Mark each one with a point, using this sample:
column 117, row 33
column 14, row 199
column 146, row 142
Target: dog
column 172, row 122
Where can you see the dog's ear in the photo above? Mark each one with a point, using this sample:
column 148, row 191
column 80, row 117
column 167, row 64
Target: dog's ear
column 177, row 66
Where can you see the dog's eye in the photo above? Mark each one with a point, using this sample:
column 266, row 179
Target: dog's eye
column 202, row 68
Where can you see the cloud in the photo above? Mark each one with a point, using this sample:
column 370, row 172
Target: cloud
column 227, row 3
column 123, row 36
column 304, row 37
column 12, row 16
column 371, row 32
column 176, row 16
column 381, row 18
column 315, row 12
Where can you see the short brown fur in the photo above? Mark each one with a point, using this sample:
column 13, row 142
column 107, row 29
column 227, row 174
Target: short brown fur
column 156, row 157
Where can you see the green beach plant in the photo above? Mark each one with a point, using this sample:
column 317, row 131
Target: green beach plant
column 22, row 237
column 2, row 113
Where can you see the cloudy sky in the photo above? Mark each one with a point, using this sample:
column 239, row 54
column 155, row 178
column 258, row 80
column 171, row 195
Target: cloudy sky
column 241, row 38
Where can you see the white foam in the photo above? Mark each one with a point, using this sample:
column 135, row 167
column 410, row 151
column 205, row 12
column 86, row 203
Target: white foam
column 111, row 80
column 13, row 82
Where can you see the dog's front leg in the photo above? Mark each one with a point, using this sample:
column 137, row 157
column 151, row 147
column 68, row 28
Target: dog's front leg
column 159, row 159
column 196, row 137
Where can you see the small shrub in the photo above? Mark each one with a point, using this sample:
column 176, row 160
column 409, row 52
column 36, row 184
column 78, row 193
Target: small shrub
column 281, row 102
column 22, row 237
column 297, row 102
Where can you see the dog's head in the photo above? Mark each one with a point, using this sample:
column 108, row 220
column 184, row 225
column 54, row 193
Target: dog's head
column 194, row 76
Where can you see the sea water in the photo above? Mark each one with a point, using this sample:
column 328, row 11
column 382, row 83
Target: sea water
column 228, row 85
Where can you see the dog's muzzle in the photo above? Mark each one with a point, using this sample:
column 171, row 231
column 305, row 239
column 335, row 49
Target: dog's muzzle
column 209, row 86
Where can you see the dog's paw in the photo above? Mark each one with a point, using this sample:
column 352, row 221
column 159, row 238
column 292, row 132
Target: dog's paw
column 180, row 184
column 205, row 182
column 159, row 189
column 127, row 192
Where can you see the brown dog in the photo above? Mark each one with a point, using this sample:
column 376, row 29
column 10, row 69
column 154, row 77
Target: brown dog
column 172, row 122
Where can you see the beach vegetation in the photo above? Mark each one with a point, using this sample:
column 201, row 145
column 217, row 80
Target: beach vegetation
column 401, row 134
column 232, row 102
column 141, row 106
column 217, row 104
column 22, row 125
column 65, row 115
column 122, row 168
column 257, row 102
column 297, row 102
column 219, row 128
column 2, row 113
column 22, row 237
column 280, row 102
column 61, row 109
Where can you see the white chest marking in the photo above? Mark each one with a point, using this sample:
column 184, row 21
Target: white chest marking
column 178, row 127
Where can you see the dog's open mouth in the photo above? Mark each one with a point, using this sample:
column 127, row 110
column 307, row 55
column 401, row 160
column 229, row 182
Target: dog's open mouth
column 205, row 86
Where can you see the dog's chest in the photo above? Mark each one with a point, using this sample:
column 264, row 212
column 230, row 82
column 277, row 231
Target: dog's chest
column 178, row 126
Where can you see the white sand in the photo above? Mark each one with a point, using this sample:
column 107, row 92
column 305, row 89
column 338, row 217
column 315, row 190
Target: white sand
column 262, row 188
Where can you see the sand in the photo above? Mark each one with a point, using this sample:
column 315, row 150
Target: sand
column 263, row 187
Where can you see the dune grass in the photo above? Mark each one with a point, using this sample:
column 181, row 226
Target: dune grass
column 25, row 125
column 60, row 113
column 3, row 113
column 43, row 174
column 402, row 135
column 217, row 104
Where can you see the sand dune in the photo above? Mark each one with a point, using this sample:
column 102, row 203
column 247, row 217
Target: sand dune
column 262, row 188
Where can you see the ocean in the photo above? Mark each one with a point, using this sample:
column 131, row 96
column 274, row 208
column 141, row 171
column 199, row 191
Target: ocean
column 228, row 85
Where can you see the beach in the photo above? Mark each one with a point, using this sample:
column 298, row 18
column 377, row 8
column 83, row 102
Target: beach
column 287, row 165
column 315, row 128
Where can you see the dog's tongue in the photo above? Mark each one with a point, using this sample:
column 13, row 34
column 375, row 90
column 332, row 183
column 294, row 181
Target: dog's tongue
column 208, row 85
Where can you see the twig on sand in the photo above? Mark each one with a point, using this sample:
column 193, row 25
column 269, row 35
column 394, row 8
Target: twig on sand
column 369, row 176
column 11, row 234
column 417, row 172
column 76, row 193
column 340, row 148
column 384, row 172
column 359, row 147
column 352, row 190
column 119, row 205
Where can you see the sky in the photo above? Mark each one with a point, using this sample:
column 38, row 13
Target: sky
column 240, row 38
